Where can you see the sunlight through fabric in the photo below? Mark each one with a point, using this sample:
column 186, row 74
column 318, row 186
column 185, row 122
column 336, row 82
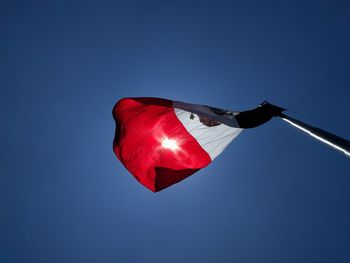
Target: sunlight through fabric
column 169, row 144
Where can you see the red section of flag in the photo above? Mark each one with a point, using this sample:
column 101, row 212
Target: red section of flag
column 152, row 143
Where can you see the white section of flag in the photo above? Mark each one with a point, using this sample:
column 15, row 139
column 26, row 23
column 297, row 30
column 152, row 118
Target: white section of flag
column 229, row 120
column 212, row 139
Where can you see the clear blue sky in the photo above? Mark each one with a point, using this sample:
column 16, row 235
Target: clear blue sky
column 274, row 195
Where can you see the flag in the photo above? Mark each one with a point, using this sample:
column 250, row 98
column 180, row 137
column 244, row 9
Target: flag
column 161, row 142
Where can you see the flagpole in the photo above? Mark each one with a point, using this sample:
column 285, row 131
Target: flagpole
column 326, row 137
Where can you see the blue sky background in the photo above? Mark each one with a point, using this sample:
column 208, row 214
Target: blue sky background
column 275, row 195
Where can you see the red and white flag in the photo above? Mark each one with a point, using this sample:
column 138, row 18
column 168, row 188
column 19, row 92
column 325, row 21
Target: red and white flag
column 161, row 142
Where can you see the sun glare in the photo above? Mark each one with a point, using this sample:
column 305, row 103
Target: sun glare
column 170, row 144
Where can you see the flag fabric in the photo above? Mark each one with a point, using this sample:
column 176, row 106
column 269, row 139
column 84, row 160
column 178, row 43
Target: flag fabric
column 161, row 142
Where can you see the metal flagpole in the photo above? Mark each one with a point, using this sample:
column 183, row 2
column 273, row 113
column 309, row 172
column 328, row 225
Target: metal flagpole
column 328, row 138
column 267, row 110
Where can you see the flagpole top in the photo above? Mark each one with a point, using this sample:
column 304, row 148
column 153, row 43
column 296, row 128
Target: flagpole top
column 272, row 109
